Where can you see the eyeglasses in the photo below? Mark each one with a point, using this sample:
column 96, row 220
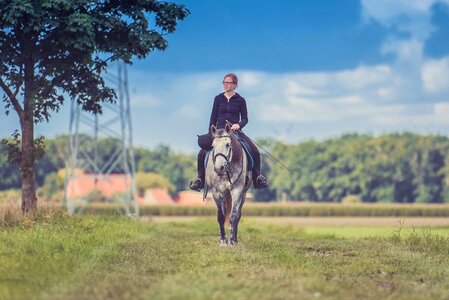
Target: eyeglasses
column 228, row 82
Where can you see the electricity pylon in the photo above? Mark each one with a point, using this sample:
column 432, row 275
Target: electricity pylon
column 88, row 176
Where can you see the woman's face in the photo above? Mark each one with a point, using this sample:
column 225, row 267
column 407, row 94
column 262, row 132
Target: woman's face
column 228, row 84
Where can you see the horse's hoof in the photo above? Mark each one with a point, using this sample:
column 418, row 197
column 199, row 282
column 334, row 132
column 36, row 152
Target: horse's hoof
column 223, row 243
column 233, row 242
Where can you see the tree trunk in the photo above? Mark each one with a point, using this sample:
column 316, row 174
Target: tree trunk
column 27, row 162
column 27, row 172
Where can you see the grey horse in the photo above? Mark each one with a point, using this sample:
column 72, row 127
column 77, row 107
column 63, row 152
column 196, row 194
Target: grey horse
column 228, row 178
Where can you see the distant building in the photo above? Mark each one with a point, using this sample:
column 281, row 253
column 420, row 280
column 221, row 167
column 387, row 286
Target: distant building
column 195, row 198
column 100, row 188
column 157, row 196
column 191, row 198
column 88, row 184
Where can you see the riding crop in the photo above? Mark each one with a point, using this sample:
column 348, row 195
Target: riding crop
column 266, row 151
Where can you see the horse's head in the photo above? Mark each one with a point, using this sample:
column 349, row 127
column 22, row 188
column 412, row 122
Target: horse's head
column 222, row 148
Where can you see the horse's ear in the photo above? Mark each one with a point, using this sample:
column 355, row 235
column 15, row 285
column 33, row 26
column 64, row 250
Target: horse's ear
column 228, row 128
column 213, row 129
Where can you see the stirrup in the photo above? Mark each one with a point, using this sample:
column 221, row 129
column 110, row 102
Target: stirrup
column 196, row 184
column 261, row 182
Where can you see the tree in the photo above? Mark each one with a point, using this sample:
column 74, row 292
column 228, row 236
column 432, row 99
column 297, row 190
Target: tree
column 178, row 168
column 152, row 180
column 52, row 48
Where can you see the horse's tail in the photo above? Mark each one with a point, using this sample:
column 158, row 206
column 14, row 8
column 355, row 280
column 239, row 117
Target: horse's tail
column 228, row 206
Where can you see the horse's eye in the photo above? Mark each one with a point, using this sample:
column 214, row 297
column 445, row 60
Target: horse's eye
column 227, row 145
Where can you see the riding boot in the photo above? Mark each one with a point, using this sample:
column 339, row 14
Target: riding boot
column 259, row 181
column 198, row 183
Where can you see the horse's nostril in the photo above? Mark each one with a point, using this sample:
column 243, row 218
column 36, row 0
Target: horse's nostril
column 219, row 169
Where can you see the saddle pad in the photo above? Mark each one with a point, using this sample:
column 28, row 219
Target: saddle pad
column 248, row 154
column 206, row 158
column 250, row 163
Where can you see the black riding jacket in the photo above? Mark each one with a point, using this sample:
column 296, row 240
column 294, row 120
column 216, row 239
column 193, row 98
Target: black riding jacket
column 233, row 110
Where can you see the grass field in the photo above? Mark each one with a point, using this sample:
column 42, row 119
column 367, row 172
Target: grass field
column 60, row 257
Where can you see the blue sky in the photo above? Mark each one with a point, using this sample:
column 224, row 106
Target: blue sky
column 307, row 69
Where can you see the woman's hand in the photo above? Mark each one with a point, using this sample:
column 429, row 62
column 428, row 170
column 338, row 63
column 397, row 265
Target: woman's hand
column 235, row 127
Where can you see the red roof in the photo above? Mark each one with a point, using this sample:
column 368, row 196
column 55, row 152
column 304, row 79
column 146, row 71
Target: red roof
column 157, row 196
column 196, row 198
column 107, row 185
column 191, row 198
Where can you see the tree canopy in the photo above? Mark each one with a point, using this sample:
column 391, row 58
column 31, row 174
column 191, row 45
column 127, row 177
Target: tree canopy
column 53, row 48
column 403, row 168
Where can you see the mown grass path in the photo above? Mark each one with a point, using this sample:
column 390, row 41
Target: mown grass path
column 61, row 257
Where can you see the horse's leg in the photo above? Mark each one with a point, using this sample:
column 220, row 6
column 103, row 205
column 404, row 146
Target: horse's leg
column 221, row 213
column 237, row 203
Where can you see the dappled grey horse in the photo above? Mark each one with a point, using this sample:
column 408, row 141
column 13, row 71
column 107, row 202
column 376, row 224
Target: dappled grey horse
column 228, row 178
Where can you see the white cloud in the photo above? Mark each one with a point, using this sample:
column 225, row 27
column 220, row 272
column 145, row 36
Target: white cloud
column 435, row 74
column 441, row 112
column 296, row 88
column 386, row 11
column 405, row 50
column 251, row 79
column 380, row 97
column 412, row 17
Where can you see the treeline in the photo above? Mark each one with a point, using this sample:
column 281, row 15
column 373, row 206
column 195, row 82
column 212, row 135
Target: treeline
column 400, row 168
column 169, row 169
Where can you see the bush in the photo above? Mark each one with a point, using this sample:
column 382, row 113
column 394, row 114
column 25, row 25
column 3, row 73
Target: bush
column 287, row 210
column 152, row 180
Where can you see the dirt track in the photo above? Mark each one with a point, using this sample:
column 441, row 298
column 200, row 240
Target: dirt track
column 329, row 221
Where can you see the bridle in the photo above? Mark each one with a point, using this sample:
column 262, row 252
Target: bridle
column 226, row 157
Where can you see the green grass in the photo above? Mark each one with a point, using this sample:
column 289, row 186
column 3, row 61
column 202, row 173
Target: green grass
column 62, row 257
column 371, row 231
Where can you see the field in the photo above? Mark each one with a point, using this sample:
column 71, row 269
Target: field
column 55, row 256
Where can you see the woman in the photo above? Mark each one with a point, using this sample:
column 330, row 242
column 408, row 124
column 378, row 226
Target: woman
column 229, row 106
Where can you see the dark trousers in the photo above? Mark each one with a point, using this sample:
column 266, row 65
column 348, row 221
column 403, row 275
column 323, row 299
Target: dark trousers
column 254, row 151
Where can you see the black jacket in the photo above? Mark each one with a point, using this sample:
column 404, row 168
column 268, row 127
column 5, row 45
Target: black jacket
column 233, row 110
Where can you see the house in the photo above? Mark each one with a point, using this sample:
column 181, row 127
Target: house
column 158, row 196
column 101, row 187
column 195, row 198
column 191, row 198
column 106, row 185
